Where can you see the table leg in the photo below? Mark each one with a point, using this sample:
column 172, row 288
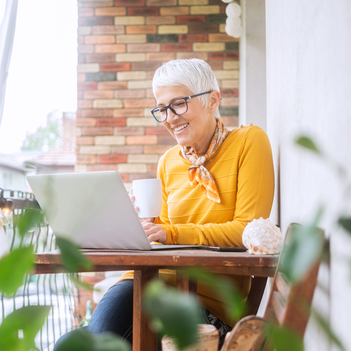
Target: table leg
column 184, row 283
column 143, row 337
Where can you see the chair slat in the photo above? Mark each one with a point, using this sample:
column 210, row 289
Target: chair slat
column 282, row 286
column 278, row 306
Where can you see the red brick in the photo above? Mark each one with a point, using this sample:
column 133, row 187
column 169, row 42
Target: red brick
column 97, row 58
column 223, row 8
column 139, row 103
column 216, row 64
column 150, row 93
column 83, row 12
column 127, row 149
column 115, row 67
column 110, row 11
column 145, row 66
column 177, row 47
column 177, row 10
column 161, row 56
column 230, row 101
column 166, row 139
column 112, row 158
column 191, row 19
column 141, row 29
column 221, row 37
column 112, row 85
column 95, row 21
column 232, row 55
column 81, row 58
column 84, row 104
column 230, row 121
column 131, row 112
column 86, row 159
column 129, row 131
column 191, row 38
column 110, row 122
column 110, row 48
column 156, row 131
column 97, row 113
column 152, row 168
column 86, row 122
column 138, row 176
column 141, row 140
column 125, row 177
column 100, row 39
column 86, row 85
column 129, row 3
column 160, row 20
column 97, row 131
column 156, row 149
column 143, row 47
column 143, row 11
column 201, row 28
column 162, row 2
column 100, row 168
column 81, row 39
column 85, row 140
column 108, row 30
column 80, row 95
column 79, row 114
column 129, row 94
column 229, row 92
column 188, row 55
column 98, row 94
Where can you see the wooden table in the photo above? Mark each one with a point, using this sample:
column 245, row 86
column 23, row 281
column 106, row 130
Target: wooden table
column 147, row 263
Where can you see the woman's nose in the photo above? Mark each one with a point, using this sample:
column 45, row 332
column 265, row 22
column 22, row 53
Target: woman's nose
column 171, row 116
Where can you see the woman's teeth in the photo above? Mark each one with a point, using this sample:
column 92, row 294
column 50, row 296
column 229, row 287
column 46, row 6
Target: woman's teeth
column 181, row 127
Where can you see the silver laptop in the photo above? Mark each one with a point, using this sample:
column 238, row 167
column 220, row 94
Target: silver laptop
column 94, row 210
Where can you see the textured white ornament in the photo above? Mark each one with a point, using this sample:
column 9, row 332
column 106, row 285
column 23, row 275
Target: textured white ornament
column 234, row 32
column 262, row 237
column 227, row 1
column 233, row 10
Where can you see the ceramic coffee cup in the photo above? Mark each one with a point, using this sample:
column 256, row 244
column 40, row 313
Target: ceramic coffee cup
column 148, row 197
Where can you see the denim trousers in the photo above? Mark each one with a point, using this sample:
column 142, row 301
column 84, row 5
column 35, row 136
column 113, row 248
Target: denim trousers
column 114, row 313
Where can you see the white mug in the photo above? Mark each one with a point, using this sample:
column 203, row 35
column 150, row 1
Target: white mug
column 148, row 197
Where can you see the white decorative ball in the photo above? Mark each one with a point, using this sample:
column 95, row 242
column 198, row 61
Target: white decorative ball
column 227, row 1
column 233, row 22
column 234, row 32
column 262, row 237
column 233, row 10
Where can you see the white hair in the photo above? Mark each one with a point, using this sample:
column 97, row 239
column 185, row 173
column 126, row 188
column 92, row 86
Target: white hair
column 194, row 74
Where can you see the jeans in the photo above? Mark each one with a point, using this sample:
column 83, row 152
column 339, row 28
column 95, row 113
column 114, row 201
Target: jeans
column 114, row 313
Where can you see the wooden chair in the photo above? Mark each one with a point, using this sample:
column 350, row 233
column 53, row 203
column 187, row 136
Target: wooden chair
column 288, row 306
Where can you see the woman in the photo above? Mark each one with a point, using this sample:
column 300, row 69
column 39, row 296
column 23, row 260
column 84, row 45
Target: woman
column 214, row 182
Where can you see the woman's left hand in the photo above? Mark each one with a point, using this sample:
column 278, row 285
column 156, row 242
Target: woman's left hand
column 154, row 232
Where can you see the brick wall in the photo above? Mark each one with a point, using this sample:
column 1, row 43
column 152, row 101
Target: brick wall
column 120, row 45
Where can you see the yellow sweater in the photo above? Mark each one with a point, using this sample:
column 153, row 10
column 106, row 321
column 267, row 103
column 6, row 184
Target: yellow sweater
column 243, row 171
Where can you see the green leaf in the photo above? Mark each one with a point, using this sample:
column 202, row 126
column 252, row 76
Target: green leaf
column 29, row 220
column 110, row 342
column 26, row 321
column 71, row 256
column 307, row 143
column 80, row 284
column 172, row 312
column 224, row 288
column 284, row 339
column 345, row 222
column 325, row 326
column 13, row 267
column 82, row 340
column 301, row 252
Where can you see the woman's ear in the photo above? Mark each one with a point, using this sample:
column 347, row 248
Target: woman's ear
column 215, row 98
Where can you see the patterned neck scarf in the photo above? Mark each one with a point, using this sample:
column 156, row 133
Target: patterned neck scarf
column 197, row 173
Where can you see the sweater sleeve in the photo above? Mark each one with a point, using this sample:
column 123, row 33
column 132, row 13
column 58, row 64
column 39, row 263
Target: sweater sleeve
column 255, row 189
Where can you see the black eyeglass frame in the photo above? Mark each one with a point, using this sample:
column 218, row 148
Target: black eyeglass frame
column 169, row 106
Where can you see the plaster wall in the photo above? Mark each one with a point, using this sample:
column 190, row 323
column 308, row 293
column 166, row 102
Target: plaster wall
column 308, row 91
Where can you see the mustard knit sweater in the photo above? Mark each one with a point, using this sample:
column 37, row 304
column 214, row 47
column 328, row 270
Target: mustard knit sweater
column 243, row 171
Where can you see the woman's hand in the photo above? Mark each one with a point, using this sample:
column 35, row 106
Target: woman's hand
column 154, row 232
column 142, row 220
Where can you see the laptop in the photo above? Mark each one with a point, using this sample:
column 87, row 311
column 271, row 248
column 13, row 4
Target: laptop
column 94, row 211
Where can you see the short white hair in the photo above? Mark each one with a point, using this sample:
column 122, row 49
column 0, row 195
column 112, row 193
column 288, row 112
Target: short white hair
column 194, row 74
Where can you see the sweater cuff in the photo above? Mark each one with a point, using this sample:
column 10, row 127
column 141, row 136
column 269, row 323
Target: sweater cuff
column 172, row 234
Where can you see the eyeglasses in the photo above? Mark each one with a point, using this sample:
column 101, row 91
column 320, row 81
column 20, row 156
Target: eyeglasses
column 177, row 106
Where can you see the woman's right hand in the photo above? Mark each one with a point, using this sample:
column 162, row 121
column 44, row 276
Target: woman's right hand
column 136, row 208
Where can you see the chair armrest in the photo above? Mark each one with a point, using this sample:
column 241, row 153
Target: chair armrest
column 247, row 335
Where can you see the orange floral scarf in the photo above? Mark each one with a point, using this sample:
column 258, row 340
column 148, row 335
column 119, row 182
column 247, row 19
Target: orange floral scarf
column 197, row 173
